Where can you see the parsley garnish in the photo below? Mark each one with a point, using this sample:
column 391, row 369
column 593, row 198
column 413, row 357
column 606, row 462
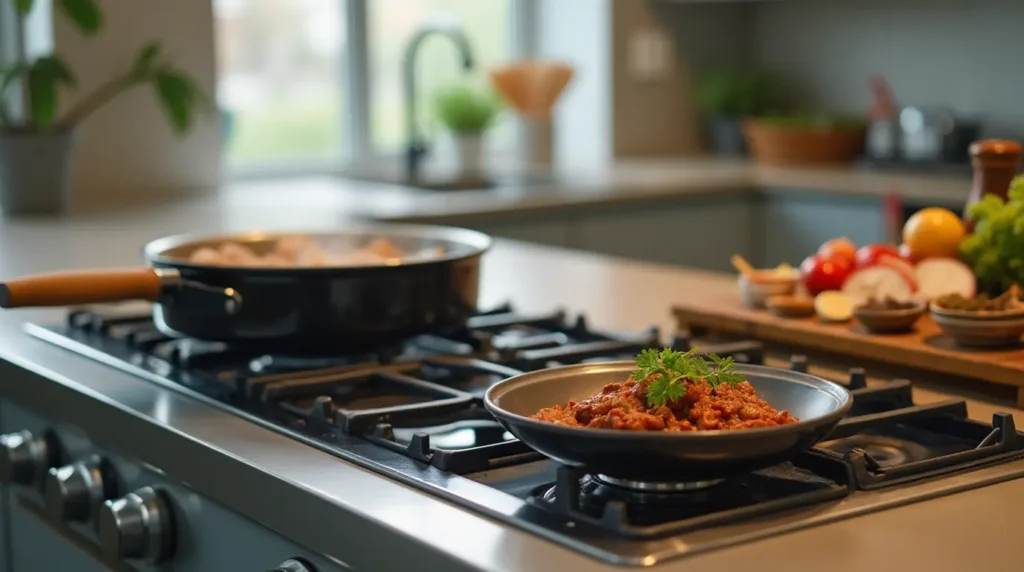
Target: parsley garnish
column 672, row 367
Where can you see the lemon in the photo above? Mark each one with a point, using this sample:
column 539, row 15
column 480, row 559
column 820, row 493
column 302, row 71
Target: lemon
column 933, row 232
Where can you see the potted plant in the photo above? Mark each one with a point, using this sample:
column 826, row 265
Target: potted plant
column 726, row 96
column 805, row 138
column 36, row 144
column 467, row 112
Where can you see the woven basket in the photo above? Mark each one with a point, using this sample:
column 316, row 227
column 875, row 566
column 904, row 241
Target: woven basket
column 779, row 144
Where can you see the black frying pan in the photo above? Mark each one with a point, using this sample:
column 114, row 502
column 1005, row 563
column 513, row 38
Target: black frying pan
column 653, row 456
column 350, row 308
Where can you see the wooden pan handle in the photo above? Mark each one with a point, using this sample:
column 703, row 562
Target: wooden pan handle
column 81, row 287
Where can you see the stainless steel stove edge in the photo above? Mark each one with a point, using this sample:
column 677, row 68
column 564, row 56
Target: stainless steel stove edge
column 336, row 509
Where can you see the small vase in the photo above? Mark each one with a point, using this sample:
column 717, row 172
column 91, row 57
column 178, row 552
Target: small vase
column 727, row 136
column 539, row 140
column 471, row 155
column 34, row 172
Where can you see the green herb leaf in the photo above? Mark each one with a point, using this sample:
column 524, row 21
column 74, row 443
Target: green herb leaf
column 84, row 13
column 24, row 6
column 177, row 94
column 146, row 57
column 995, row 248
column 45, row 75
column 668, row 370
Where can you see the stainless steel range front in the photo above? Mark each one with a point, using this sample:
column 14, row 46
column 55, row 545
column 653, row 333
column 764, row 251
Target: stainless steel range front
column 413, row 414
column 71, row 505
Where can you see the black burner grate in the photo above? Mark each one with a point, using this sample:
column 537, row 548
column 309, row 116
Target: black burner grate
column 809, row 479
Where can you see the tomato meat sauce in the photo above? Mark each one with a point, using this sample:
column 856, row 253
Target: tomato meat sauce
column 702, row 408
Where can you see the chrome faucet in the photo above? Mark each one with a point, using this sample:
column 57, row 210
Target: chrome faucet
column 417, row 148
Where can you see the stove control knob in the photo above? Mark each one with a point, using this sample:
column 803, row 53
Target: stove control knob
column 294, row 565
column 74, row 492
column 137, row 526
column 24, row 458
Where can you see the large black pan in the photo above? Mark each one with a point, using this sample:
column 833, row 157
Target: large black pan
column 652, row 456
column 286, row 309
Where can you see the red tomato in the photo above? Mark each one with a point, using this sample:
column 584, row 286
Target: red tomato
column 839, row 248
column 868, row 255
column 906, row 255
column 821, row 274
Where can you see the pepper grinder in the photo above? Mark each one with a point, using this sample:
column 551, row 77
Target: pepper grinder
column 995, row 163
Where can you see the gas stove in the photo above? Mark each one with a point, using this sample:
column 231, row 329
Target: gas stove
column 414, row 413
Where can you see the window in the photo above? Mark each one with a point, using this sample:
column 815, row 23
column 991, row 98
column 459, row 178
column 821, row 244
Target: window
column 280, row 82
column 313, row 84
column 392, row 23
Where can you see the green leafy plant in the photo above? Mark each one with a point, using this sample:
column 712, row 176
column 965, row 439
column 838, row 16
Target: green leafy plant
column 671, row 368
column 42, row 79
column 465, row 109
column 995, row 249
column 735, row 93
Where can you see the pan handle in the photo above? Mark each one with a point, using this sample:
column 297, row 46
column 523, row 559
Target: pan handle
column 99, row 286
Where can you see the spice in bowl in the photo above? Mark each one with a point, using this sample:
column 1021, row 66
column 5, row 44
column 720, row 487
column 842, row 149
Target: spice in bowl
column 757, row 285
column 1009, row 301
column 888, row 315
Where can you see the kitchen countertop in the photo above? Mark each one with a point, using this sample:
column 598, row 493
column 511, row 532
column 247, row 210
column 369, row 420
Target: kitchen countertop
column 622, row 182
column 204, row 446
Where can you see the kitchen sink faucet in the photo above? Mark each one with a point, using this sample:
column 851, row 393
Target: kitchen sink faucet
column 417, row 148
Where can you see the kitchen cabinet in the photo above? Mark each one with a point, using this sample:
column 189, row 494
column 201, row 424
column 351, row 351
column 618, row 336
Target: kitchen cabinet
column 793, row 223
column 556, row 232
column 546, row 228
column 697, row 231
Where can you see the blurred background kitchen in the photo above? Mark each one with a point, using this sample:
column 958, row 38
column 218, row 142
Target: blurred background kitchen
column 847, row 115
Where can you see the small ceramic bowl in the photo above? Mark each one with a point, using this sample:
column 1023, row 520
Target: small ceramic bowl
column 890, row 321
column 757, row 288
column 980, row 329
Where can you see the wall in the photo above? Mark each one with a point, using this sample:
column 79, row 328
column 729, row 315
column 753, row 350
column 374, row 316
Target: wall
column 649, row 114
column 579, row 32
column 959, row 53
column 705, row 35
column 127, row 149
column 607, row 111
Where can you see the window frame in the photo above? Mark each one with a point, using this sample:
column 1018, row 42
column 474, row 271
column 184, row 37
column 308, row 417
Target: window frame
column 357, row 140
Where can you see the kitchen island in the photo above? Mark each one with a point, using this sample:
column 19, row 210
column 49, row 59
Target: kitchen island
column 325, row 506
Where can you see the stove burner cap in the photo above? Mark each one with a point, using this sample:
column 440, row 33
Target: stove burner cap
column 651, row 487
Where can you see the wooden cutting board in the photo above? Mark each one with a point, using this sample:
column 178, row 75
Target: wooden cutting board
column 925, row 348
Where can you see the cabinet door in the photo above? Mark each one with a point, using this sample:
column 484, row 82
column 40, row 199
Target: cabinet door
column 699, row 232
column 553, row 232
column 794, row 224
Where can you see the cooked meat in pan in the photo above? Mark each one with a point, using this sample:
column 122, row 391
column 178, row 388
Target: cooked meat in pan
column 672, row 391
column 305, row 251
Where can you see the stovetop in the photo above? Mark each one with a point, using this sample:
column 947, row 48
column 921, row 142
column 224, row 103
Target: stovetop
column 414, row 413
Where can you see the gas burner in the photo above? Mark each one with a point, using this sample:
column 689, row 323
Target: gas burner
column 885, row 450
column 655, row 488
column 679, row 507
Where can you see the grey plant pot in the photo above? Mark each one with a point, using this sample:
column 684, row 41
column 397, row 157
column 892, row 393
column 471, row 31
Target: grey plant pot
column 727, row 136
column 34, row 172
